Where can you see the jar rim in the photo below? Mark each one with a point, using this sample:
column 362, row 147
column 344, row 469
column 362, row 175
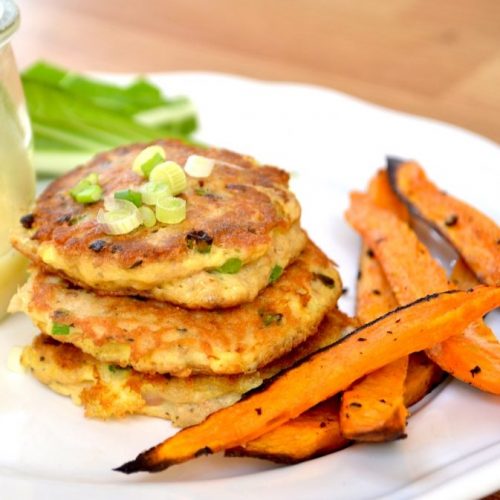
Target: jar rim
column 9, row 20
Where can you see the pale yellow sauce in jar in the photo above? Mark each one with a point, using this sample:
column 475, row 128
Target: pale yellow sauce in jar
column 17, row 180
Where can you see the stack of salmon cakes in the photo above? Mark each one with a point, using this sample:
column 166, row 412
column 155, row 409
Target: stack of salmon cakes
column 172, row 307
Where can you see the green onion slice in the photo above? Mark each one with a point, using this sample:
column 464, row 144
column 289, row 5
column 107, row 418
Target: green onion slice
column 231, row 266
column 60, row 329
column 148, row 216
column 152, row 192
column 147, row 159
column 199, row 166
column 170, row 173
column 276, row 272
column 87, row 190
column 92, row 178
column 87, row 195
column 119, row 216
column 170, row 210
column 130, row 195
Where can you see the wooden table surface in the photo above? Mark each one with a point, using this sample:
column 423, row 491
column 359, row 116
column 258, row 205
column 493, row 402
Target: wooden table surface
column 437, row 58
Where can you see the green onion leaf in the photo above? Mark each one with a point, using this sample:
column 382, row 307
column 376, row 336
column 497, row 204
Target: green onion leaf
column 128, row 194
column 276, row 272
column 231, row 266
column 170, row 210
column 74, row 117
column 60, row 329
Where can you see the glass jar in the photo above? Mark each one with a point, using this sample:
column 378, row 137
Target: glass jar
column 17, row 179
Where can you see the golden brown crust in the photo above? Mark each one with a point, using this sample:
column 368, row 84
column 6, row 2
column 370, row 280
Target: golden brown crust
column 153, row 336
column 241, row 206
column 106, row 391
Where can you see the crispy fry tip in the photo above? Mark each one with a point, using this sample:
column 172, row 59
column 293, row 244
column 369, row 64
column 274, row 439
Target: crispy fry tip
column 129, row 467
column 393, row 162
column 140, row 464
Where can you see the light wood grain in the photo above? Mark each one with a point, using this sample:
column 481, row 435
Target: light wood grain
column 438, row 58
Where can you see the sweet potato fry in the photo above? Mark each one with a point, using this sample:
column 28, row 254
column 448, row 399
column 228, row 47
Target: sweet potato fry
column 317, row 431
column 474, row 356
column 373, row 408
column 422, row 376
column 474, row 235
column 411, row 328
column 382, row 194
column 306, row 437
column 313, row 434
column 462, row 276
column 374, row 295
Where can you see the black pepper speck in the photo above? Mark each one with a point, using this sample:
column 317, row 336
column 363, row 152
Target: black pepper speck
column 97, row 246
column 27, row 221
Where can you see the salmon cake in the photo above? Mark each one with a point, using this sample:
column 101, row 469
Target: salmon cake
column 241, row 213
column 109, row 391
column 158, row 337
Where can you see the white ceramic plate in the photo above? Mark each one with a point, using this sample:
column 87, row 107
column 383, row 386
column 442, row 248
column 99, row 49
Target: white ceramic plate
column 333, row 143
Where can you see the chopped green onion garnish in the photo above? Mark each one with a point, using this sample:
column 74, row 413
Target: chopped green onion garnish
column 276, row 272
column 116, row 368
column 147, row 159
column 152, row 192
column 170, row 210
column 90, row 194
column 87, row 190
column 120, row 217
column 270, row 318
column 60, row 329
column 148, row 216
column 170, row 173
column 92, row 178
column 231, row 266
column 199, row 241
column 128, row 194
column 199, row 166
